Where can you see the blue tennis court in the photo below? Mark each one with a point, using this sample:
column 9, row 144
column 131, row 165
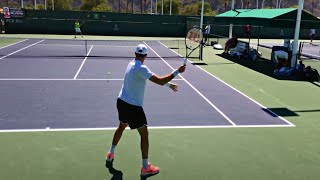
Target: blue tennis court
column 64, row 84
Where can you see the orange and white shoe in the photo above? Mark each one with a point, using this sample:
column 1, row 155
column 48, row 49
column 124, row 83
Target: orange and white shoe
column 151, row 170
column 110, row 157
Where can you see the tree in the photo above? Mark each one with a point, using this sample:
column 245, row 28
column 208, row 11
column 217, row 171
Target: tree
column 141, row 3
column 191, row 9
column 91, row 5
column 102, row 7
column 175, row 8
column 96, row 5
column 225, row 2
column 60, row 4
column 127, row 6
column 40, row 6
column 262, row 4
column 195, row 9
column 88, row 5
column 206, row 9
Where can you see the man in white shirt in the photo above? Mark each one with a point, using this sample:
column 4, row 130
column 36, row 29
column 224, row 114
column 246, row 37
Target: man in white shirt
column 130, row 102
column 207, row 33
column 312, row 34
column 280, row 54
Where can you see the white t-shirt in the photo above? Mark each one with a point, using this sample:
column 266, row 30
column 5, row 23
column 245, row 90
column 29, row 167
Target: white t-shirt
column 281, row 54
column 134, row 83
column 207, row 29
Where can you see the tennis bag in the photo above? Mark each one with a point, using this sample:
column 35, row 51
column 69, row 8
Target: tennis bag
column 253, row 54
column 213, row 43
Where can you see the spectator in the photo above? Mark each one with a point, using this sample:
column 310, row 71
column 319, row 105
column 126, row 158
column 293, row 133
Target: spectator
column 312, row 34
column 282, row 34
column 276, row 55
column 247, row 30
column 282, row 66
column 231, row 43
column 308, row 72
column 301, row 67
column 207, row 33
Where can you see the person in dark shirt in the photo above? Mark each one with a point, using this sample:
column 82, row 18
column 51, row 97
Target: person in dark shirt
column 231, row 43
column 247, row 30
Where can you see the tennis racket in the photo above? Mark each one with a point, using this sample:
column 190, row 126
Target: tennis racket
column 194, row 38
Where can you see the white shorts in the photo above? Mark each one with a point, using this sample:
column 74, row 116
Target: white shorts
column 78, row 30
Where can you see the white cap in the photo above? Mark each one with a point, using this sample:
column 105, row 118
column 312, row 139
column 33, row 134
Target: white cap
column 142, row 49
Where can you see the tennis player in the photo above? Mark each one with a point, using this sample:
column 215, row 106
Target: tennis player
column 77, row 28
column 207, row 33
column 130, row 102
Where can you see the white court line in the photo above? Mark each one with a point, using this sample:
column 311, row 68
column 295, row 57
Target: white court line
column 75, row 76
column 20, row 49
column 81, row 45
column 22, row 79
column 48, row 129
column 206, row 99
column 307, row 54
column 13, row 44
column 290, row 124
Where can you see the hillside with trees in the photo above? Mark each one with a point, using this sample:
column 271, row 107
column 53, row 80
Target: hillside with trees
column 181, row 7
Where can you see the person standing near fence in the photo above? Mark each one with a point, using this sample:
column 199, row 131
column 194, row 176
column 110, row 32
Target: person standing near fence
column 207, row 33
column 312, row 34
column 247, row 31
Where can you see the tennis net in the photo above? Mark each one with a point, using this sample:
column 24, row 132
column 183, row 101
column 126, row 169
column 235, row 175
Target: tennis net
column 310, row 50
column 309, row 54
column 171, row 49
column 216, row 38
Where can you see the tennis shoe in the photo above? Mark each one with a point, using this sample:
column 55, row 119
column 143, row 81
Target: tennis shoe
column 109, row 160
column 150, row 170
column 110, row 157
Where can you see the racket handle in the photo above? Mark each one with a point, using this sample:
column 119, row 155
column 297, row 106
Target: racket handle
column 185, row 61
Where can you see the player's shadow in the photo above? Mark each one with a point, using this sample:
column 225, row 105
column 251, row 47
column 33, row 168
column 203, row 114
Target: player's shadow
column 116, row 174
column 146, row 177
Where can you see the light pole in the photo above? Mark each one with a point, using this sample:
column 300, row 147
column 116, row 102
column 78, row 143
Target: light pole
column 162, row 8
column 156, row 6
column 170, row 6
column 231, row 25
column 296, row 35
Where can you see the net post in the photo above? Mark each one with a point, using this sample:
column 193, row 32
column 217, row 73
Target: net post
column 201, row 51
column 86, row 47
column 300, row 50
column 259, row 35
column 178, row 47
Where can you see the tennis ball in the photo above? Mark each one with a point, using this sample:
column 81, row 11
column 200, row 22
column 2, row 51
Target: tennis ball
column 109, row 73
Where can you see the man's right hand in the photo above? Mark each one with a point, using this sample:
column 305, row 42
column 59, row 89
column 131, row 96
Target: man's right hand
column 181, row 69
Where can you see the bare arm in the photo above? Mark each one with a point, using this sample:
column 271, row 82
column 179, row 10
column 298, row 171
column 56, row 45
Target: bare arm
column 167, row 78
column 161, row 80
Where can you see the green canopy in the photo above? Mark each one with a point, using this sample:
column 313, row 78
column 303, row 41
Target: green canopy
column 268, row 18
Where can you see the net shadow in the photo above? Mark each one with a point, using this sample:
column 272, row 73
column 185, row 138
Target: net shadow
column 285, row 112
